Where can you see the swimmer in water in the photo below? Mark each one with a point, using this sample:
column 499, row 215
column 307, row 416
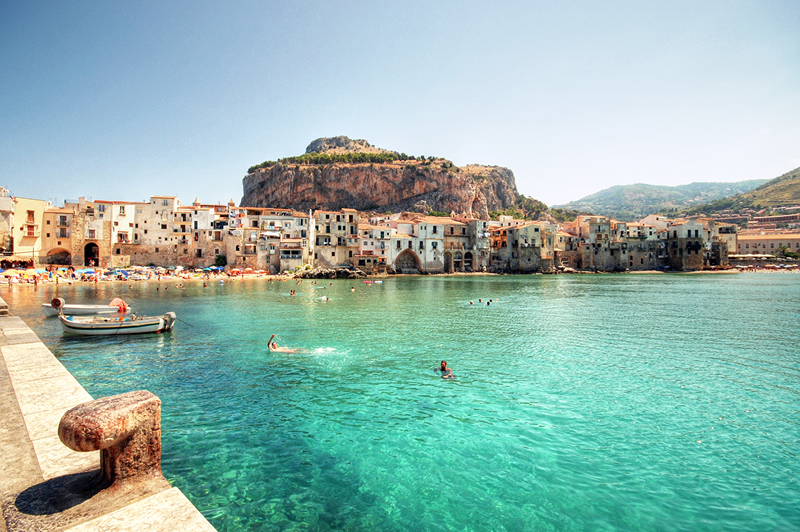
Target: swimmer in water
column 273, row 346
column 447, row 373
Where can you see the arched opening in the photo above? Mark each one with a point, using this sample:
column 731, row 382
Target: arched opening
column 91, row 255
column 469, row 265
column 58, row 256
column 448, row 262
column 408, row 262
column 458, row 262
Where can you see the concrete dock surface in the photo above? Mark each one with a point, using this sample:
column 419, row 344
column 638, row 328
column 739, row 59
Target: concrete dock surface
column 43, row 484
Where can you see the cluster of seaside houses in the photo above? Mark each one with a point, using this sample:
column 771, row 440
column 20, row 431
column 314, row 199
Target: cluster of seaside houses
column 162, row 232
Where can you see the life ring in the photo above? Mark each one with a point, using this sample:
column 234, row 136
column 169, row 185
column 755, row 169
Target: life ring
column 57, row 303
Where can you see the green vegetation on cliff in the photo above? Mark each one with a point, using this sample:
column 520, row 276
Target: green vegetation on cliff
column 525, row 208
column 349, row 158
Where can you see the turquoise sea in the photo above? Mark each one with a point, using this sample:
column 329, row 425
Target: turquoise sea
column 582, row 403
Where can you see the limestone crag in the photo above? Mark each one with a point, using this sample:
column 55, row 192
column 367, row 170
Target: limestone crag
column 497, row 184
column 394, row 185
column 342, row 144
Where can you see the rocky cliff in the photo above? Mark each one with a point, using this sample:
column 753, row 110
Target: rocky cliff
column 331, row 176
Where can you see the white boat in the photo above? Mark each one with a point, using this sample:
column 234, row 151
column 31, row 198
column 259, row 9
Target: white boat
column 97, row 325
column 58, row 306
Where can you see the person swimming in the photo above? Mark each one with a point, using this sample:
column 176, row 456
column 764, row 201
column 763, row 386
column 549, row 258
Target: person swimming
column 447, row 373
column 273, row 346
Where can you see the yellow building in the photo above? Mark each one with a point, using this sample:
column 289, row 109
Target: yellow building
column 27, row 230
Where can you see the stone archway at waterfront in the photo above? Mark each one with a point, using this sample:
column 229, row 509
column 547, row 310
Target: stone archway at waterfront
column 58, row 256
column 91, row 254
column 469, row 261
column 407, row 262
column 448, row 262
column 458, row 261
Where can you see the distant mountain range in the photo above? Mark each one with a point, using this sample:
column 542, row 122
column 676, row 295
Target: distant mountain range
column 783, row 191
column 633, row 202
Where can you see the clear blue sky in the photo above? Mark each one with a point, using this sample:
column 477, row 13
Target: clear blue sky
column 123, row 100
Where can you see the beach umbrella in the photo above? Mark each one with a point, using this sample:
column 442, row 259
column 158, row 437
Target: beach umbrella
column 206, row 269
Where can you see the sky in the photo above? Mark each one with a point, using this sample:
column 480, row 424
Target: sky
column 124, row 100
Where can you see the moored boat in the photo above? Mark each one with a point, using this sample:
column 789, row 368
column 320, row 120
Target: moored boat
column 97, row 325
column 58, row 306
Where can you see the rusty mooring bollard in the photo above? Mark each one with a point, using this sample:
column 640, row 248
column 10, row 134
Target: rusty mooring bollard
column 125, row 428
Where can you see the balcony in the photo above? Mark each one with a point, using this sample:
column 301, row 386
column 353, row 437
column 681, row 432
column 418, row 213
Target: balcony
column 454, row 246
column 62, row 223
column 31, row 234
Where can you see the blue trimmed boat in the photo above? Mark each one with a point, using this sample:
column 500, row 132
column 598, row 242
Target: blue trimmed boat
column 95, row 325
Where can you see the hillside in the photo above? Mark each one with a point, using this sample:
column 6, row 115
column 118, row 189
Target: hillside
column 783, row 191
column 338, row 172
column 632, row 202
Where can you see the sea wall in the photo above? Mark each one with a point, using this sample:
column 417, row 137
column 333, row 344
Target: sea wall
column 35, row 392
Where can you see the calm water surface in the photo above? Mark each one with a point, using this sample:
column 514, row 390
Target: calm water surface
column 615, row 402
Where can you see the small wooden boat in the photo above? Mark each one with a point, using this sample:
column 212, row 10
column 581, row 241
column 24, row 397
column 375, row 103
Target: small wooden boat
column 58, row 306
column 97, row 325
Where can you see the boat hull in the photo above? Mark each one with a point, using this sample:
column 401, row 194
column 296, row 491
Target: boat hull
column 81, row 310
column 115, row 326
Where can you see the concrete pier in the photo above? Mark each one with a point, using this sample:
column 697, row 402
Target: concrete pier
column 46, row 486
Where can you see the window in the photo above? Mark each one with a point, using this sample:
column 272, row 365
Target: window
column 434, row 245
column 435, row 228
column 216, row 251
column 350, row 255
column 122, row 210
column 165, row 203
column 119, row 251
column 163, row 226
column 48, row 222
column 91, row 234
column 48, row 235
column 101, row 208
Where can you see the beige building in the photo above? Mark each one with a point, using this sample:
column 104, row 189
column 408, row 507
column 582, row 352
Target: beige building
column 57, row 246
column 767, row 243
column 6, row 222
